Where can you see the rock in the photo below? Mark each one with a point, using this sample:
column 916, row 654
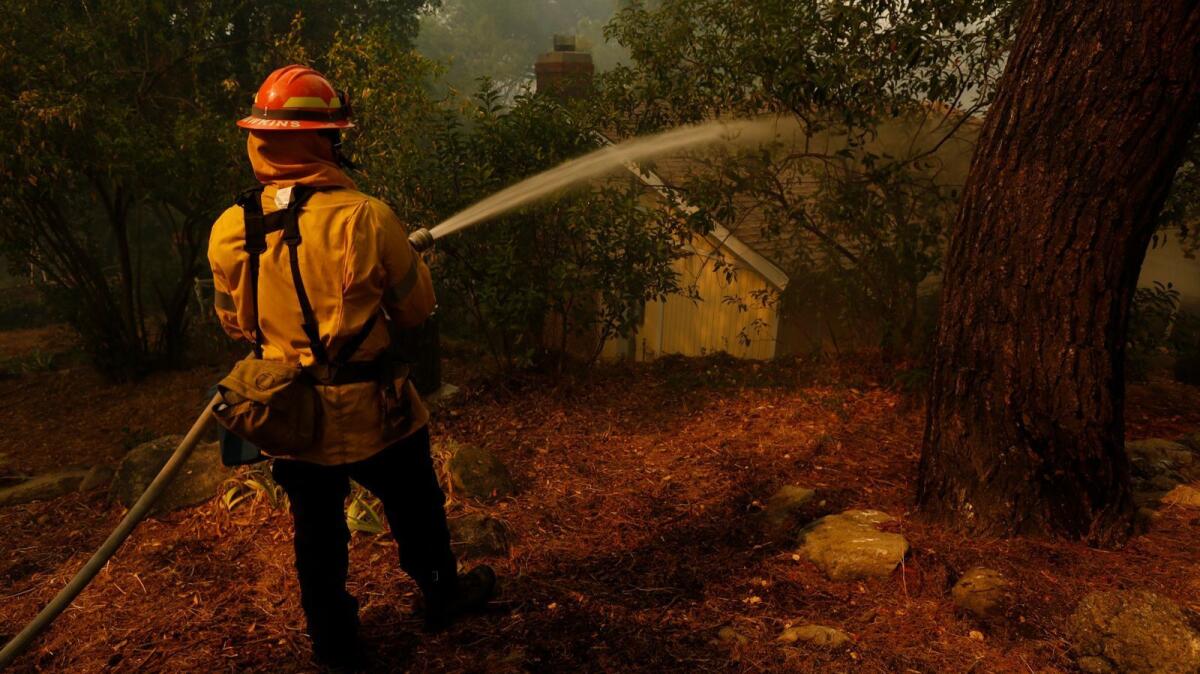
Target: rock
column 476, row 472
column 817, row 635
column 479, row 535
column 1155, row 456
column 784, row 513
column 443, row 398
column 12, row 480
column 1190, row 472
column 1162, row 482
column 981, row 591
column 1142, row 469
column 730, row 636
column 198, row 481
column 1159, row 465
column 42, row 487
column 849, row 545
column 1183, row 495
column 1133, row 632
column 1146, row 499
column 100, row 475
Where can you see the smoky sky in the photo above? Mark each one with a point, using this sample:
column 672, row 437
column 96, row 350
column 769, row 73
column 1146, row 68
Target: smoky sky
column 501, row 39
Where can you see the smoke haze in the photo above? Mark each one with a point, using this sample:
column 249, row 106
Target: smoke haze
column 501, row 39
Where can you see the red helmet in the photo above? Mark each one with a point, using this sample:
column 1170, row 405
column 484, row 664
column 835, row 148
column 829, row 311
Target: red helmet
column 297, row 98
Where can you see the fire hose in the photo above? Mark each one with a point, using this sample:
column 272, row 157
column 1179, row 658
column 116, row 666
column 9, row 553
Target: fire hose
column 421, row 241
column 65, row 596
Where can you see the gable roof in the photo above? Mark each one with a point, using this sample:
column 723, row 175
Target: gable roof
column 720, row 237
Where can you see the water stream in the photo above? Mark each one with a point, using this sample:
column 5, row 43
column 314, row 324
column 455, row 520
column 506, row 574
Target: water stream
column 603, row 161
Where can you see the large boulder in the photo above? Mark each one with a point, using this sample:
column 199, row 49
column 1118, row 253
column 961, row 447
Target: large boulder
column 1184, row 495
column 42, row 487
column 1158, row 449
column 849, row 545
column 981, row 591
column 1133, row 632
column 100, row 475
column 479, row 535
column 815, row 635
column 1158, row 458
column 199, row 480
column 1161, row 470
column 478, row 473
column 785, row 513
column 1191, row 441
column 442, row 399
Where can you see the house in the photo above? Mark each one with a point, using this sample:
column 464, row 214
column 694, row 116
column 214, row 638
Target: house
column 765, row 308
column 683, row 325
column 723, row 316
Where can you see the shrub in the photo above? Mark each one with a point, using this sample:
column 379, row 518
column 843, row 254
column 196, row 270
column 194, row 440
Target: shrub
column 118, row 158
column 561, row 275
column 1160, row 331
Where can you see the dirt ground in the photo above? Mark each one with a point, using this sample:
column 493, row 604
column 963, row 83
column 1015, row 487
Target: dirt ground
column 633, row 536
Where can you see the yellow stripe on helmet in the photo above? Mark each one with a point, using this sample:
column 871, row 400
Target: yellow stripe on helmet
column 311, row 102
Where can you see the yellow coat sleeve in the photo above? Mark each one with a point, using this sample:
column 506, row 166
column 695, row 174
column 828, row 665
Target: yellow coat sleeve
column 219, row 260
column 408, row 296
column 224, row 305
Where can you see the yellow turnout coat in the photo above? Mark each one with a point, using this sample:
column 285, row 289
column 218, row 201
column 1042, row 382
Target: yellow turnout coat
column 355, row 259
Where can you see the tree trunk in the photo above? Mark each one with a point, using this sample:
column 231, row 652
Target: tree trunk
column 1025, row 426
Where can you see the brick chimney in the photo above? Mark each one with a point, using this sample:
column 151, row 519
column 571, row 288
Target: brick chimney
column 565, row 72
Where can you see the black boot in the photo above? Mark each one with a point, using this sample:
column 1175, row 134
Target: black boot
column 468, row 593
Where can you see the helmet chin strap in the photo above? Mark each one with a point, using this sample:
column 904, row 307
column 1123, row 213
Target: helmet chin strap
column 335, row 139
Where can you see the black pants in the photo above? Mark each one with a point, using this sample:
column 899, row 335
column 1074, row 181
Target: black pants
column 403, row 478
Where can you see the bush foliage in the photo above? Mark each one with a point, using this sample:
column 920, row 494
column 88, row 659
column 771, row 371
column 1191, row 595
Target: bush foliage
column 555, row 277
column 120, row 149
column 858, row 223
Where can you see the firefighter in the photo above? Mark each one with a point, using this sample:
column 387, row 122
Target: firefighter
column 323, row 293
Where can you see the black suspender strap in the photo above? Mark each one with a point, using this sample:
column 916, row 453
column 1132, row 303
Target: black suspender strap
column 255, row 245
column 291, row 237
column 288, row 220
column 352, row 344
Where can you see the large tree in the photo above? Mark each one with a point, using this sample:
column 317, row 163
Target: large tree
column 1025, row 420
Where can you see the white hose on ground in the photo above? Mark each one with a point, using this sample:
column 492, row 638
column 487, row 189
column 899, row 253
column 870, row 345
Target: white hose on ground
column 136, row 514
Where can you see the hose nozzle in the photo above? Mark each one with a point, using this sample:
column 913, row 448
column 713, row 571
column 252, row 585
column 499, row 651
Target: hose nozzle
column 421, row 240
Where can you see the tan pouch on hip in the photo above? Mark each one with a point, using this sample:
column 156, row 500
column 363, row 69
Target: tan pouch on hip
column 271, row 404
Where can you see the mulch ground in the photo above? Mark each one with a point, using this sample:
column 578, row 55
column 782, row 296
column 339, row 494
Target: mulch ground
column 633, row 539
column 57, row 413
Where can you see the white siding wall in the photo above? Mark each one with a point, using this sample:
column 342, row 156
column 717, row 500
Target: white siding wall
column 712, row 323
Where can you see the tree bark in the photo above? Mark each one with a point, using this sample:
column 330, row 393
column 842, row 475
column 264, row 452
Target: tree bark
column 1025, row 426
